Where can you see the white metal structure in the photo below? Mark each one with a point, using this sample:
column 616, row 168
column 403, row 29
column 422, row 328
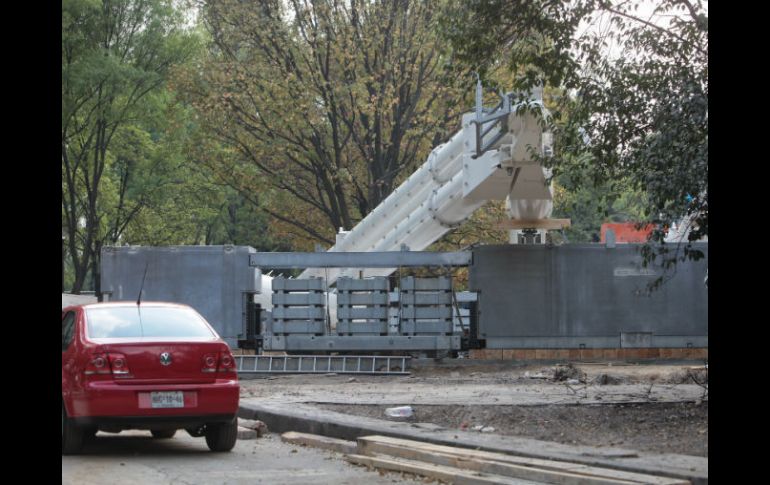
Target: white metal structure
column 458, row 177
column 679, row 233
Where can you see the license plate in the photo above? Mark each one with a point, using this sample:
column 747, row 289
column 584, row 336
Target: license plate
column 171, row 399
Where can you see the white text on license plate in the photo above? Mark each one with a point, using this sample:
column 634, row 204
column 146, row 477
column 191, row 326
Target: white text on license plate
column 170, row 399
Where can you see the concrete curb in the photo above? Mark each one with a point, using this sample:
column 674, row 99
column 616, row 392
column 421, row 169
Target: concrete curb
column 308, row 419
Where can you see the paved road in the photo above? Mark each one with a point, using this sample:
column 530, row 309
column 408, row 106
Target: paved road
column 134, row 457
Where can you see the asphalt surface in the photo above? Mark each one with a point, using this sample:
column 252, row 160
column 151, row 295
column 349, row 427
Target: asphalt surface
column 134, row 457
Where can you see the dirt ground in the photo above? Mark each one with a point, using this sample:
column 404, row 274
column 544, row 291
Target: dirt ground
column 659, row 408
column 616, row 372
column 655, row 427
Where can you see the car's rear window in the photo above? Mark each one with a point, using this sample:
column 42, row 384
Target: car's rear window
column 138, row 321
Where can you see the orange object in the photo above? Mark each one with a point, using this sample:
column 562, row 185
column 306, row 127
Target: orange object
column 626, row 232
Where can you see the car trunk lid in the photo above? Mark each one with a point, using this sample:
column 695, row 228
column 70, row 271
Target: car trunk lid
column 165, row 362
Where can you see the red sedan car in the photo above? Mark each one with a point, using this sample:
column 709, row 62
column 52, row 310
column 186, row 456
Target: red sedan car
column 154, row 366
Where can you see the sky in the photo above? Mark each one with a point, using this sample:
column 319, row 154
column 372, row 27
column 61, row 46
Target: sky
column 600, row 23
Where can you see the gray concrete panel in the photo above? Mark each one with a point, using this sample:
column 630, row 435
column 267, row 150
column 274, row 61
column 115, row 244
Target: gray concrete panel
column 68, row 299
column 212, row 279
column 585, row 294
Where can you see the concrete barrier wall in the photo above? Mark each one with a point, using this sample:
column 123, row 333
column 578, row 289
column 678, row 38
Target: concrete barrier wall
column 68, row 299
column 215, row 280
column 586, row 296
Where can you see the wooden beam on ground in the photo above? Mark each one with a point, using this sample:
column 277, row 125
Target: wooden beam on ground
column 550, row 224
column 548, row 471
column 318, row 441
column 451, row 475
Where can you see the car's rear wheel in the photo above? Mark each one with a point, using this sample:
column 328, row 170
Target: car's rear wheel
column 222, row 436
column 71, row 435
column 163, row 433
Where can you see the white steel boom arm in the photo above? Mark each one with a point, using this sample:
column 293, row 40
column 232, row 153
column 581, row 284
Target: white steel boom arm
column 458, row 178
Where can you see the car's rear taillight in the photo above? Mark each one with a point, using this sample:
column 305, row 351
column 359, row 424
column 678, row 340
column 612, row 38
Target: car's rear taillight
column 114, row 364
column 226, row 362
column 98, row 365
column 209, row 363
column 119, row 365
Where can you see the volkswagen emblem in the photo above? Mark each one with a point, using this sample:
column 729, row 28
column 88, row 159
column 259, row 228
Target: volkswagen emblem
column 165, row 358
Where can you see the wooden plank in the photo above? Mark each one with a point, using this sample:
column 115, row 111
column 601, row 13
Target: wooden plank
column 525, row 472
column 377, row 283
column 548, row 471
column 298, row 313
column 550, row 224
column 444, row 473
column 345, row 298
column 411, row 283
column 299, row 299
column 318, row 441
column 425, row 298
column 298, row 326
column 426, row 312
column 368, row 313
column 312, row 284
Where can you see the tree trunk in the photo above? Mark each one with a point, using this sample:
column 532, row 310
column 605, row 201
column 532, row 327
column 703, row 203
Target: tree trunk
column 96, row 273
column 62, row 264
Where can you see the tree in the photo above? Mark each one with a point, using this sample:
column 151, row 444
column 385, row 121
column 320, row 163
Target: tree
column 324, row 104
column 635, row 96
column 115, row 55
column 589, row 205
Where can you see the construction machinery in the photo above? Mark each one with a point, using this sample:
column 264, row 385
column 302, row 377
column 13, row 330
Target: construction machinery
column 495, row 155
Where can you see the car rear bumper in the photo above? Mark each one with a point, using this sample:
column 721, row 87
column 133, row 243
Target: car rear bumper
column 107, row 399
column 153, row 422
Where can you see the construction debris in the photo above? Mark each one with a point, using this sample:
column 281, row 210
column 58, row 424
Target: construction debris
column 483, row 429
column 258, row 427
column 567, row 372
column 400, row 412
column 247, row 434
column 607, row 380
column 539, row 375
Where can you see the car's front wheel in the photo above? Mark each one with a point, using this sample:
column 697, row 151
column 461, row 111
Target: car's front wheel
column 163, row 433
column 222, row 436
column 71, row 435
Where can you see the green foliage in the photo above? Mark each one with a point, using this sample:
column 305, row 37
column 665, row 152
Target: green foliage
column 588, row 206
column 115, row 57
column 634, row 102
column 325, row 106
